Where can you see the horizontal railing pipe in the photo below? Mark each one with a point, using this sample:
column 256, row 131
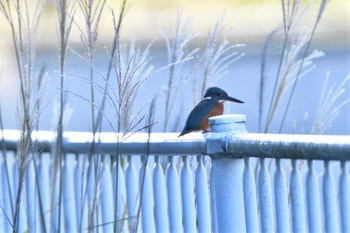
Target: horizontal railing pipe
column 287, row 146
column 131, row 144
column 235, row 145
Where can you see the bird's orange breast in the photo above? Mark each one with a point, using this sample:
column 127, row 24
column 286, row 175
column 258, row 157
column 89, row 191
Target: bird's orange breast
column 218, row 110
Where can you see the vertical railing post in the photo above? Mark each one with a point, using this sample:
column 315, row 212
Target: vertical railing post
column 226, row 176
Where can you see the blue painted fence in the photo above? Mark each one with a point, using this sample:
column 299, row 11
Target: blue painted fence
column 249, row 182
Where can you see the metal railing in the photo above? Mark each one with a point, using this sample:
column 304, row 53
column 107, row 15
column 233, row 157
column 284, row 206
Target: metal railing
column 291, row 192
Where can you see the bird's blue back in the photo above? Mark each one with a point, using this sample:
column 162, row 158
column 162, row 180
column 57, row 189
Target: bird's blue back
column 196, row 116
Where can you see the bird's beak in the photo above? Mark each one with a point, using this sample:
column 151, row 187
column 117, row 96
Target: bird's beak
column 229, row 98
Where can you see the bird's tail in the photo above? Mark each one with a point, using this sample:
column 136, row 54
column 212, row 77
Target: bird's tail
column 183, row 133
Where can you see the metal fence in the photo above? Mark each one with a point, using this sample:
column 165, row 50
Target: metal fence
column 250, row 182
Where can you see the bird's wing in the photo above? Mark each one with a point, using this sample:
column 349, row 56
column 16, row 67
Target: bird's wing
column 202, row 109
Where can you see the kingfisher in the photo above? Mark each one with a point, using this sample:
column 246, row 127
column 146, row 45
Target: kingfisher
column 211, row 105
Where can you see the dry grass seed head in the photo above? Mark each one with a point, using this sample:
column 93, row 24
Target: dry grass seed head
column 177, row 45
column 328, row 108
column 290, row 67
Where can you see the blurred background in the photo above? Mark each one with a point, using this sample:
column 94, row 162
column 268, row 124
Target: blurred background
column 245, row 22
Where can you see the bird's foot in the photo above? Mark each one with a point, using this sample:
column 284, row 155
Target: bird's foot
column 205, row 131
